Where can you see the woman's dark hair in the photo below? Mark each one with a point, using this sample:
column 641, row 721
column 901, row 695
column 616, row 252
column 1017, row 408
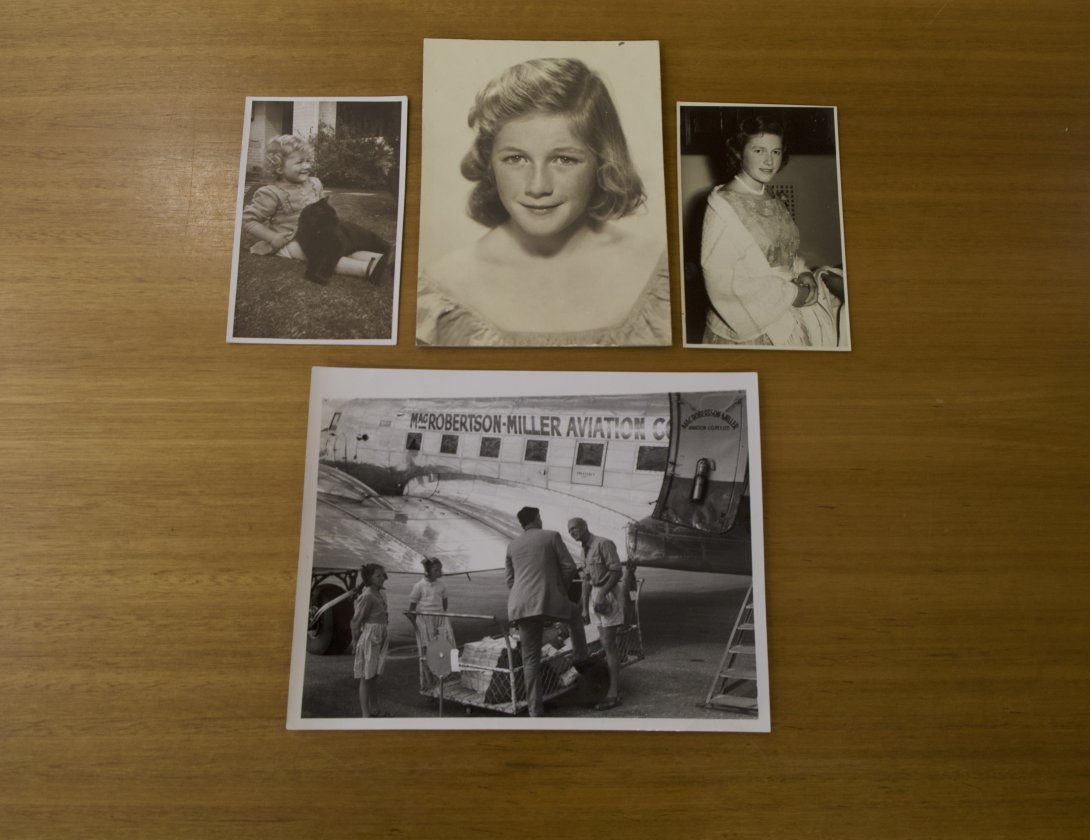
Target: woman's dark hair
column 749, row 128
column 563, row 86
column 367, row 571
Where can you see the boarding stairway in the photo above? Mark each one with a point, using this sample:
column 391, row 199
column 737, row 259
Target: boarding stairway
column 734, row 688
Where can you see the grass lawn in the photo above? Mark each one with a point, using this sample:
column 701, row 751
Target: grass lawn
column 274, row 300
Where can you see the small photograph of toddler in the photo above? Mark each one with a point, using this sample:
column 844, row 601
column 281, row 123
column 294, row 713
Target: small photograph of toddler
column 317, row 255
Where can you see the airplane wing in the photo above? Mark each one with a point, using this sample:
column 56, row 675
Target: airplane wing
column 355, row 525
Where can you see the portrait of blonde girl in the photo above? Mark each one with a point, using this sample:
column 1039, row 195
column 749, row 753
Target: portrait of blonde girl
column 551, row 182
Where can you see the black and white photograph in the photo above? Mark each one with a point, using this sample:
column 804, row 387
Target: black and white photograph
column 318, row 224
column 531, row 550
column 762, row 227
column 543, row 213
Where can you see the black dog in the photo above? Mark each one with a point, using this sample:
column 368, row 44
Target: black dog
column 324, row 239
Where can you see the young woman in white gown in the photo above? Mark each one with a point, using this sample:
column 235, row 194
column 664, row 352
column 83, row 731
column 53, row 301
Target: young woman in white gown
column 761, row 292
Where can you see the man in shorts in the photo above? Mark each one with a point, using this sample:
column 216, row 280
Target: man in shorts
column 603, row 597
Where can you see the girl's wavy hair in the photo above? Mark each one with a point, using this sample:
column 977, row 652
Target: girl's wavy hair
column 749, row 128
column 367, row 572
column 552, row 86
column 280, row 147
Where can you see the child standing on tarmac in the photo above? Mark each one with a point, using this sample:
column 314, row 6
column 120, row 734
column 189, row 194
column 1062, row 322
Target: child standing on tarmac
column 430, row 595
column 370, row 637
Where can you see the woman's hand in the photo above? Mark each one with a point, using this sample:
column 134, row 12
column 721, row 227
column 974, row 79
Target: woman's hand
column 808, row 289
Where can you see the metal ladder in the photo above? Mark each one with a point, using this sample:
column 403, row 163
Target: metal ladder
column 735, row 683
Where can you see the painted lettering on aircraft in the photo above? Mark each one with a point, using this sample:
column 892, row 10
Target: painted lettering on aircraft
column 709, row 416
column 600, row 427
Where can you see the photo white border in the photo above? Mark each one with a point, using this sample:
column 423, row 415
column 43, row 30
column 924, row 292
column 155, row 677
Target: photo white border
column 384, row 383
column 681, row 229
column 399, row 241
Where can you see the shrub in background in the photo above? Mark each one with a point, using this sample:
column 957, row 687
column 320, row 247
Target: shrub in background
column 345, row 160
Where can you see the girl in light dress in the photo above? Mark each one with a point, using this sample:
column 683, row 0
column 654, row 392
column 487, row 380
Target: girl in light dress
column 430, row 595
column 370, row 637
column 272, row 216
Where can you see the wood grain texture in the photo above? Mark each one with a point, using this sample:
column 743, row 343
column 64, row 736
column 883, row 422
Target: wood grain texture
column 925, row 494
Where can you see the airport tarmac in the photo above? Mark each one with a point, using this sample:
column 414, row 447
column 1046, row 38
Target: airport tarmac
column 686, row 618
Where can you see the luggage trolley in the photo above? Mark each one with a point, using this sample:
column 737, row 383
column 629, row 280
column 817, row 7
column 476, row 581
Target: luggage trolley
column 490, row 670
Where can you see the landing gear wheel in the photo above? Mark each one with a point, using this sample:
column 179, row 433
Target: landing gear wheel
column 320, row 635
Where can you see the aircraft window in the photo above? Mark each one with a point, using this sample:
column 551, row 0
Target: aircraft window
column 537, row 450
column 652, row 458
column 590, row 454
column 412, row 441
column 490, row 447
column 449, row 445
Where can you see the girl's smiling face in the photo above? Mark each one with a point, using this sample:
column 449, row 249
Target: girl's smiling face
column 761, row 159
column 545, row 175
column 296, row 167
column 378, row 578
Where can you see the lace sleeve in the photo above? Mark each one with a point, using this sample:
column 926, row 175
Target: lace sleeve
column 431, row 306
column 656, row 308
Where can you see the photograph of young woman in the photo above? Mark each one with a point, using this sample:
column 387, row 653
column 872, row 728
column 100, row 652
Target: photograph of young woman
column 763, row 254
column 566, row 244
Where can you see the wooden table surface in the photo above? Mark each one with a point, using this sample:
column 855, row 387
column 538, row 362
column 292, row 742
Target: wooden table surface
column 925, row 494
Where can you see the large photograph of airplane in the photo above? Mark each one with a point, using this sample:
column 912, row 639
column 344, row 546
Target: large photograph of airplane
column 664, row 475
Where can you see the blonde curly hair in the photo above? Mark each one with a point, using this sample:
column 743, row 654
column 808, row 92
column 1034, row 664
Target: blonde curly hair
column 280, row 147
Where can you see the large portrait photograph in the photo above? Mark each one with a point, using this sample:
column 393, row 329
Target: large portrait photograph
column 320, row 209
column 543, row 215
column 531, row 550
column 762, row 227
